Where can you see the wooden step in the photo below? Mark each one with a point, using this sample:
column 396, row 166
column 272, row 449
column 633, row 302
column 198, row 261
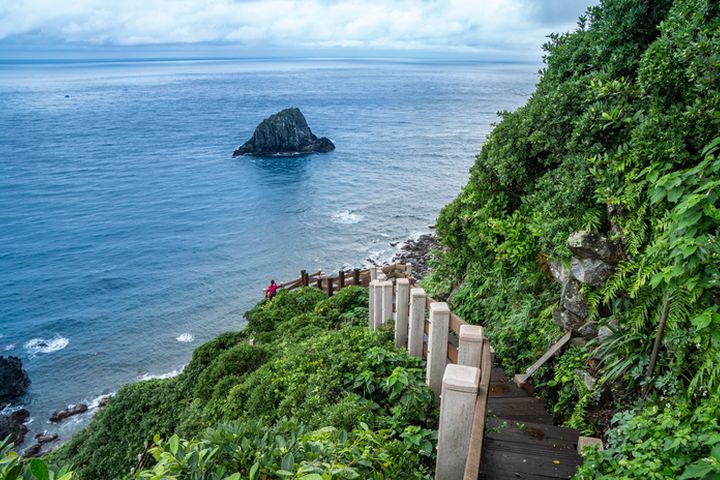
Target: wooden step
column 521, row 459
column 532, row 433
column 525, row 409
column 506, row 389
column 497, row 375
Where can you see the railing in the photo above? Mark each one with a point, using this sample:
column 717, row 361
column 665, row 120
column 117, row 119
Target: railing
column 458, row 367
column 345, row 278
column 458, row 356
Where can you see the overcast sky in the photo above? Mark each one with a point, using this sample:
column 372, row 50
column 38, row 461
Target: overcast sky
column 507, row 29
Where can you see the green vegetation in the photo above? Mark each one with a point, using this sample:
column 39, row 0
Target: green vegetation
column 620, row 137
column 315, row 396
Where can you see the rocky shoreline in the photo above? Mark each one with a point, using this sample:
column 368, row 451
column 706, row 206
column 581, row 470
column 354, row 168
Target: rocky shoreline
column 418, row 252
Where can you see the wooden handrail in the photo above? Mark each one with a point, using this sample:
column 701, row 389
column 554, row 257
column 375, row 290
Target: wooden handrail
column 522, row 378
column 474, row 458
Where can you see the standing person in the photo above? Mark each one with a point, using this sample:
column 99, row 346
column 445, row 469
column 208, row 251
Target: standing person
column 271, row 290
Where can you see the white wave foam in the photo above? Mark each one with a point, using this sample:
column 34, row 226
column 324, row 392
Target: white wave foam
column 346, row 217
column 95, row 402
column 185, row 338
column 160, row 376
column 42, row 345
column 9, row 347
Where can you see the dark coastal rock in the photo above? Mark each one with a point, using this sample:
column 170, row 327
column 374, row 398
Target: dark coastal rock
column 46, row 437
column 285, row 133
column 418, row 253
column 32, row 451
column 60, row 415
column 13, row 425
column 13, row 378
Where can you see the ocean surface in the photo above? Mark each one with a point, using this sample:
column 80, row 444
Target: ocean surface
column 129, row 235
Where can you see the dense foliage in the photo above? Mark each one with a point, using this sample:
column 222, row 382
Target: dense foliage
column 313, row 393
column 620, row 137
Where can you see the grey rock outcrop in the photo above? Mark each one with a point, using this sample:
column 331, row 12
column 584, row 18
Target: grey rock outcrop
column 284, row 133
column 594, row 256
column 592, row 263
column 13, row 378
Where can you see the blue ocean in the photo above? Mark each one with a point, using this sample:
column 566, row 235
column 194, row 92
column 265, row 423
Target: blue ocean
column 129, row 235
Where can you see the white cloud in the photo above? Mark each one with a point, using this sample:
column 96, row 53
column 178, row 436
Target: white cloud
column 465, row 25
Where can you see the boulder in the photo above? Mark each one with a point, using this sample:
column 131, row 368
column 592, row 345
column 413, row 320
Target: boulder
column 588, row 330
column 559, row 272
column 13, row 425
column 573, row 300
column 284, row 133
column 60, row 415
column 46, row 437
column 594, row 256
column 13, row 378
column 604, row 333
column 32, row 451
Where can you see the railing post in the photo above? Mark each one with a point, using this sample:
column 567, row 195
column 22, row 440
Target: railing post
column 330, row 286
column 341, row 280
column 416, row 329
column 457, row 408
column 373, row 273
column 371, row 305
column 318, row 284
column 402, row 310
column 356, row 276
column 303, row 278
column 387, row 300
column 471, row 345
column 437, row 345
column 377, row 309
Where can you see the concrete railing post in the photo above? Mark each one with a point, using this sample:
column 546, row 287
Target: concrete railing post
column 377, row 305
column 437, row 345
column 457, row 408
column 402, row 302
column 416, row 329
column 471, row 345
column 373, row 273
column 371, row 305
column 387, row 300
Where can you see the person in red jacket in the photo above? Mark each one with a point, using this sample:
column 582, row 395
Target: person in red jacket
column 271, row 290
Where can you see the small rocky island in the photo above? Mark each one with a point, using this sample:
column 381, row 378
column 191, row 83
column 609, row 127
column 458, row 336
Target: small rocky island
column 285, row 133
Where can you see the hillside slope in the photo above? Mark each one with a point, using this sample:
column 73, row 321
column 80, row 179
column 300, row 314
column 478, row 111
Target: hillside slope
column 620, row 146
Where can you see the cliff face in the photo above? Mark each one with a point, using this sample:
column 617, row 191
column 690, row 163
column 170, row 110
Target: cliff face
column 284, row 133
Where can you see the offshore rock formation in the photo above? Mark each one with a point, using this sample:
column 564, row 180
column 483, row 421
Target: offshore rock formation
column 13, row 378
column 285, row 133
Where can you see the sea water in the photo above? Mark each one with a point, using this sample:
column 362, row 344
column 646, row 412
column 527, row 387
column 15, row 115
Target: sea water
column 129, row 235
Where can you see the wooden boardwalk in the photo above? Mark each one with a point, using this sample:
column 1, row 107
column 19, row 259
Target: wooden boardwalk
column 520, row 439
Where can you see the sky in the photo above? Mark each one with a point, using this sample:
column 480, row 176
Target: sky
column 512, row 30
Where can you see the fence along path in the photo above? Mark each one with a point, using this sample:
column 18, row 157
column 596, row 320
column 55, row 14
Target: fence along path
column 489, row 428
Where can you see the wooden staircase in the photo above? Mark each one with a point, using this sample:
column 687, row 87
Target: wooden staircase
column 520, row 440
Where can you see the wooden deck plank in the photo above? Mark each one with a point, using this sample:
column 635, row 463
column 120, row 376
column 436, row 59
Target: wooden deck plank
column 498, row 376
column 532, row 433
column 502, row 405
column 524, row 459
column 507, row 389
